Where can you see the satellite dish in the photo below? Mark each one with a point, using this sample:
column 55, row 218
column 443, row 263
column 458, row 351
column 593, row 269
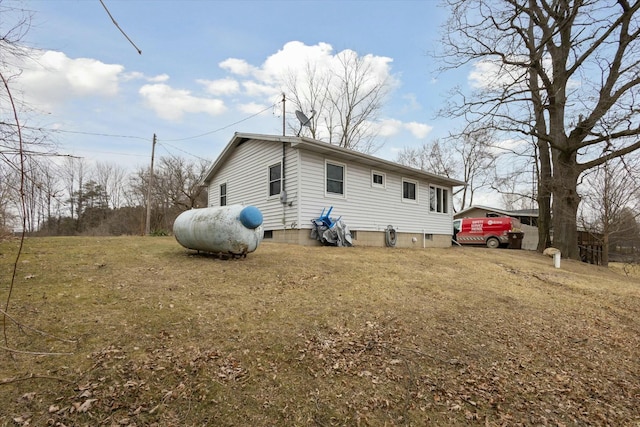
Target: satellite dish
column 304, row 120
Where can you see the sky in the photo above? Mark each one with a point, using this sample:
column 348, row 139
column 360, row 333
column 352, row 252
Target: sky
column 210, row 68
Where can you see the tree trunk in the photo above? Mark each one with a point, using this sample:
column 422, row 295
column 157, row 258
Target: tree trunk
column 544, row 197
column 544, row 217
column 605, row 247
column 565, row 211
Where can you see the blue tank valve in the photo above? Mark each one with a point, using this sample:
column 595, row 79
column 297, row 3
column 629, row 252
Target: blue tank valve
column 250, row 217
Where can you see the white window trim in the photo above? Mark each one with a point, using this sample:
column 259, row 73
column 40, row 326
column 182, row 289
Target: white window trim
column 415, row 201
column 448, row 199
column 344, row 180
column 384, row 179
column 273, row 196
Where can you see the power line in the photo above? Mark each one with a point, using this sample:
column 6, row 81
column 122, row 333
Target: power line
column 118, row 27
column 224, row 127
column 43, row 129
column 185, row 152
column 98, row 134
column 111, row 152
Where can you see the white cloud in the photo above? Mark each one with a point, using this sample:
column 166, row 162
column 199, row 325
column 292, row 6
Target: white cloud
column 297, row 61
column 491, row 74
column 508, row 145
column 172, row 104
column 485, row 75
column 51, row 77
column 419, row 130
column 133, row 75
column 160, row 78
column 220, row 87
column 251, row 108
column 236, row 66
column 389, row 127
column 257, row 89
column 412, row 102
column 137, row 75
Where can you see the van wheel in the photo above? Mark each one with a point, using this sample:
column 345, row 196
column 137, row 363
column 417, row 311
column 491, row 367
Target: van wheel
column 493, row 243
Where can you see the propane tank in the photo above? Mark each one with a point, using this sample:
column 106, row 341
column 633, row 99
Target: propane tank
column 234, row 229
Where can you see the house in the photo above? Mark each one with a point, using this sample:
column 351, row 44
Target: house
column 528, row 218
column 292, row 180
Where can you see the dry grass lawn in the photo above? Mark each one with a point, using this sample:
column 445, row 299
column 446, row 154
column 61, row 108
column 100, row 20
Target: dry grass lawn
column 152, row 334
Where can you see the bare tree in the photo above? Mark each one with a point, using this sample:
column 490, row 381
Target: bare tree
column 478, row 163
column 343, row 102
column 310, row 97
column 178, row 180
column 468, row 158
column 111, row 177
column 174, row 189
column 9, row 183
column 434, row 156
column 612, row 202
column 565, row 73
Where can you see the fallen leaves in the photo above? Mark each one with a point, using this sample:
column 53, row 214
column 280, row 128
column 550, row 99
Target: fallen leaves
column 456, row 339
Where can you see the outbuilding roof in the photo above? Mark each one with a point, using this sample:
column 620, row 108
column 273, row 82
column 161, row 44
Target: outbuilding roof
column 522, row 212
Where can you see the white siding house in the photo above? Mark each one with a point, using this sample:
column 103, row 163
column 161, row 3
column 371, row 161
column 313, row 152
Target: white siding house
column 292, row 179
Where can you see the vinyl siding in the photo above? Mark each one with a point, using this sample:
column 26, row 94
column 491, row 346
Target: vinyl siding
column 246, row 173
column 363, row 206
column 366, row 207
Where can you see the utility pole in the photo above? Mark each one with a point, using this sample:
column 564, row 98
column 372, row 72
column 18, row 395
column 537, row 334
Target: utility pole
column 283, row 115
column 147, row 229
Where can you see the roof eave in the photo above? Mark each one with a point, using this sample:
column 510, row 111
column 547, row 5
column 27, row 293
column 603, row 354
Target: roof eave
column 326, row 148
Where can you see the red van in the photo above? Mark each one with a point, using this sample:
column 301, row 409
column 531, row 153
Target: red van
column 490, row 231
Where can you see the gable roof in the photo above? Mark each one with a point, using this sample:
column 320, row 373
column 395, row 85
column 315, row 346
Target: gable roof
column 321, row 147
column 522, row 212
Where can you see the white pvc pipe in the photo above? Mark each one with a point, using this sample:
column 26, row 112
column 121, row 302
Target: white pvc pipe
column 556, row 259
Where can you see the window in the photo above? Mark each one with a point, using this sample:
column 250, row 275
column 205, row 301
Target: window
column 275, row 179
column 409, row 190
column 335, row 178
column 223, row 194
column 268, row 234
column 438, row 199
column 377, row 179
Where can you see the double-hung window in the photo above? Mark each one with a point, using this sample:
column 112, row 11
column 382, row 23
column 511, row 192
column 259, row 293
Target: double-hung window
column 275, row 179
column 409, row 190
column 335, row 179
column 223, row 194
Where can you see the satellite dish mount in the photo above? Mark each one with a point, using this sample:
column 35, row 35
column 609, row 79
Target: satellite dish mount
column 304, row 120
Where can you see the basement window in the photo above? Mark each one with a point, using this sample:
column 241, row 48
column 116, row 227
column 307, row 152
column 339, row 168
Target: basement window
column 268, row 234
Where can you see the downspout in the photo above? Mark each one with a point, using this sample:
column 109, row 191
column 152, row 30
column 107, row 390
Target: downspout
column 283, row 192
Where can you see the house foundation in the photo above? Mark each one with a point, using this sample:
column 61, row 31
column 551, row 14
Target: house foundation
column 362, row 238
